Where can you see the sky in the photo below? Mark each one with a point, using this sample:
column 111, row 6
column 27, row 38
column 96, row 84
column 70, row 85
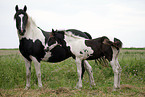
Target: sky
column 123, row 19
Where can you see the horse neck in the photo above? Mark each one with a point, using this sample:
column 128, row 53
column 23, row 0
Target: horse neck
column 31, row 25
column 33, row 32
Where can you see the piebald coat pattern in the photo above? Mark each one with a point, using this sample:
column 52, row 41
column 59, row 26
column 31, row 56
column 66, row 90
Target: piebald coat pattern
column 32, row 45
column 92, row 49
column 78, row 48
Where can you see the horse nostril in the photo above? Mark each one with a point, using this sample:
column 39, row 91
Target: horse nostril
column 24, row 30
column 21, row 31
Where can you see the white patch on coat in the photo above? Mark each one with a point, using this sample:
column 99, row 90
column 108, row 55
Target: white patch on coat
column 33, row 32
column 21, row 17
column 38, row 69
column 51, row 46
column 78, row 46
column 47, row 56
column 116, row 68
column 48, row 53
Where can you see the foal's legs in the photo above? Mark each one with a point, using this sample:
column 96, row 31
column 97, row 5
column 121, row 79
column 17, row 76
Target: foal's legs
column 28, row 73
column 83, row 69
column 89, row 71
column 79, row 70
column 38, row 70
column 119, row 75
column 116, row 72
column 116, row 69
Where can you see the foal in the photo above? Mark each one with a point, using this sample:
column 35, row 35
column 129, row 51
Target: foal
column 90, row 49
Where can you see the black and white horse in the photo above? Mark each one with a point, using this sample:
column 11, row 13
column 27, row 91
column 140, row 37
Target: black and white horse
column 33, row 41
column 90, row 49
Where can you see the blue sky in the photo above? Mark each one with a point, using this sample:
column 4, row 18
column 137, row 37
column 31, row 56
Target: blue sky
column 123, row 19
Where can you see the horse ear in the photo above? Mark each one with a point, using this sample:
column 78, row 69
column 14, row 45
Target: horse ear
column 25, row 8
column 53, row 32
column 16, row 8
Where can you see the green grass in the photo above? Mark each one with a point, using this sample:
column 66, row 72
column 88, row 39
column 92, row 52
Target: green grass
column 10, row 49
column 133, row 48
column 59, row 79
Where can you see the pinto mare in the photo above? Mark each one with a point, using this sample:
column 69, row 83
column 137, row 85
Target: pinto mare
column 90, row 49
column 32, row 41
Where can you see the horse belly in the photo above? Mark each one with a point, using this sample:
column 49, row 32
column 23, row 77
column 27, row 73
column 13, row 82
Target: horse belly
column 79, row 49
column 57, row 54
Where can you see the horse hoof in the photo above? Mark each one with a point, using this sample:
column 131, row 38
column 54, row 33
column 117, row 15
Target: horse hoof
column 27, row 88
column 115, row 89
column 78, row 87
column 93, row 84
column 40, row 86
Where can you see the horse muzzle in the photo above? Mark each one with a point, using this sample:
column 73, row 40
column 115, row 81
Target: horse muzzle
column 21, row 32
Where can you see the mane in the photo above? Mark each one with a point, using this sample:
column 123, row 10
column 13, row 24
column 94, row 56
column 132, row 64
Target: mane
column 31, row 22
column 70, row 34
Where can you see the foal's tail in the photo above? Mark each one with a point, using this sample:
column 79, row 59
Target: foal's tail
column 117, row 43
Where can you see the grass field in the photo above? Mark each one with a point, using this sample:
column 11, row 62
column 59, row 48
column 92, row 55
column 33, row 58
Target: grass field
column 59, row 79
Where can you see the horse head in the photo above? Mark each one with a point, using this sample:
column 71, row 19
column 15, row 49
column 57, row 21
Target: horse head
column 21, row 18
column 59, row 36
column 54, row 40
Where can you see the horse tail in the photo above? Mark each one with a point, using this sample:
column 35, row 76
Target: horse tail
column 117, row 43
column 102, row 61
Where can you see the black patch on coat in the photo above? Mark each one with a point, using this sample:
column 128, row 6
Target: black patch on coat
column 83, row 69
column 85, row 50
column 118, row 43
column 27, row 47
column 89, row 36
column 99, row 48
column 46, row 34
column 81, row 52
column 80, row 33
column 58, row 54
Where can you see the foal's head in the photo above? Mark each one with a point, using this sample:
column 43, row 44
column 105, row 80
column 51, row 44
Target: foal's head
column 21, row 18
column 52, row 41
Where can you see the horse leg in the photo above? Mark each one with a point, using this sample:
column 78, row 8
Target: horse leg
column 28, row 73
column 116, row 68
column 38, row 70
column 90, row 73
column 119, row 75
column 83, row 69
column 79, row 71
column 116, row 73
